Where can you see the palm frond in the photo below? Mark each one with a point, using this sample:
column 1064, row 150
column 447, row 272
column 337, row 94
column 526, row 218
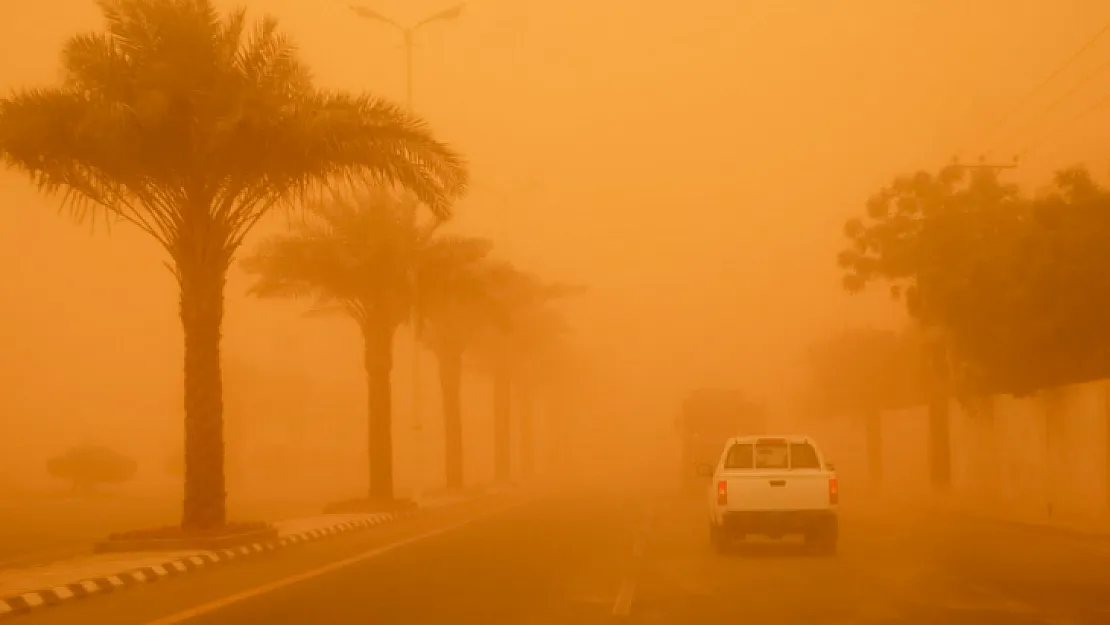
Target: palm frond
column 351, row 254
column 173, row 115
column 325, row 138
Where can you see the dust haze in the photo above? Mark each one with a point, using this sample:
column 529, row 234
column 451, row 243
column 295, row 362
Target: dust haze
column 692, row 165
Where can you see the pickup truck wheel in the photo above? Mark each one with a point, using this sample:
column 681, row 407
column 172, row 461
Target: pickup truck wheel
column 822, row 543
column 719, row 539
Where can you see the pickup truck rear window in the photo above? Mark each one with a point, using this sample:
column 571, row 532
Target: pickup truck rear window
column 803, row 456
column 772, row 455
column 739, row 457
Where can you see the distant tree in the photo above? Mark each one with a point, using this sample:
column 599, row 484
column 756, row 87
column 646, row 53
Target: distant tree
column 89, row 466
column 457, row 300
column 509, row 352
column 363, row 258
column 192, row 126
column 861, row 372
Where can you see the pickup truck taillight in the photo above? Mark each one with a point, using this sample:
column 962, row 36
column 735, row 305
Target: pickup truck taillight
column 722, row 493
column 834, row 491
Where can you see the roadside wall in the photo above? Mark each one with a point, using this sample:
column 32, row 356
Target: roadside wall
column 1043, row 459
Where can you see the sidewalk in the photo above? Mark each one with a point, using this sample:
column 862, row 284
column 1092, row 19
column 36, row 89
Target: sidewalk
column 26, row 588
column 1092, row 527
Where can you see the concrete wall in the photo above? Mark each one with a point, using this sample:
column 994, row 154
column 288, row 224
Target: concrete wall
column 1044, row 458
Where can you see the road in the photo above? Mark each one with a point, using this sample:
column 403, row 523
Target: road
column 638, row 559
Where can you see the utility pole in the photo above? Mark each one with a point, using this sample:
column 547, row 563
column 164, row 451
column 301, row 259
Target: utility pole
column 983, row 165
column 409, row 38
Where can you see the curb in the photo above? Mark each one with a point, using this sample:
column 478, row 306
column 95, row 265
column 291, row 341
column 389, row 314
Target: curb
column 1030, row 525
column 1018, row 523
column 23, row 603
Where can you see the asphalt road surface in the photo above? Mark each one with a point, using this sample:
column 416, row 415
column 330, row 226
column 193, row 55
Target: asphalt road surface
column 637, row 559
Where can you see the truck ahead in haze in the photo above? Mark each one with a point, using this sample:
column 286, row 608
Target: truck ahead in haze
column 709, row 418
column 773, row 486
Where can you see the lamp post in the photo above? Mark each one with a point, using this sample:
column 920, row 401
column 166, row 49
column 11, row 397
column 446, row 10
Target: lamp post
column 409, row 37
column 409, row 34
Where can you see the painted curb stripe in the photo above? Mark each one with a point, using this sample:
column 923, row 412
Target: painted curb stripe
column 23, row 603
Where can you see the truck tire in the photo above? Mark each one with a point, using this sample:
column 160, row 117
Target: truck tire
column 718, row 539
column 822, row 542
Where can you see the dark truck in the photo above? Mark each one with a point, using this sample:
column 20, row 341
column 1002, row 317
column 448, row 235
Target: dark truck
column 709, row 418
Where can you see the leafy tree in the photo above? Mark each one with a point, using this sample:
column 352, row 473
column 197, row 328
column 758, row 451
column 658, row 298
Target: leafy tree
column 945, row 243
column 1014, row 286
column 1066, row 287
column 363, row 258
column 192, row 126
column 90, row 465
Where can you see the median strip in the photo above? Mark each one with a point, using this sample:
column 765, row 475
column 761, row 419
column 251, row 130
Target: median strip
column 24, row 590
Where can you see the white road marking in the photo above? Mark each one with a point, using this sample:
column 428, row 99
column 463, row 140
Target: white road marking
column 250, row 593
column 1001, row 600
column 623, row 605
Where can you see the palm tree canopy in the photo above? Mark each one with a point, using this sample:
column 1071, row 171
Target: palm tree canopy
column 456, row 283
column 530, row 323
column 349, row 254
column 365, row 256
column 175, row 115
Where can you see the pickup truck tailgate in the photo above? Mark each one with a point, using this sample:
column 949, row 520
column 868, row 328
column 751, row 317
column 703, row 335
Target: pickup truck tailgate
column 750, row 491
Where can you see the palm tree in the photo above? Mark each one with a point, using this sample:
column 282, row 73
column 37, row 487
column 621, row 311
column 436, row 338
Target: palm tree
column 508, row 350
column 458, row 301
column 192, row 126
column 536, row 342
column 364, row 257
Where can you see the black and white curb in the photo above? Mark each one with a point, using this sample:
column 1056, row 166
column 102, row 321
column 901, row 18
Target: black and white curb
column 19, row 604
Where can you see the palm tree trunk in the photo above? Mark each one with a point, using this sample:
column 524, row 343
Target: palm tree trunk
column 527, row 444
column 202, row 274
column 378, row 341
column 450, row 386
column 502, row 426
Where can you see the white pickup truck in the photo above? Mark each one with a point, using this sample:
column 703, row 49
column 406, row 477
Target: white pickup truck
column 773, row 486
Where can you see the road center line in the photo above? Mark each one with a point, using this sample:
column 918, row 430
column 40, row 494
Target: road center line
column 622, row 607
column 219, row 604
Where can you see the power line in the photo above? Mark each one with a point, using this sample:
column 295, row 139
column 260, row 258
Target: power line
column 1044, row 83
column 1051, row 108
column 1038, row 142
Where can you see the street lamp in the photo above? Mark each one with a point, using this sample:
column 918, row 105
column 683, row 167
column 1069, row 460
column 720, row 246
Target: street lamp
column 409, row 34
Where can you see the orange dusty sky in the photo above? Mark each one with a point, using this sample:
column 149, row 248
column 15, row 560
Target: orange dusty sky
column 690, row 162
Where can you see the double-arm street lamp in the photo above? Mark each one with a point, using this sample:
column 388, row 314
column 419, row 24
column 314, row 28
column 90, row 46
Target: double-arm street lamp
column 409, row 33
